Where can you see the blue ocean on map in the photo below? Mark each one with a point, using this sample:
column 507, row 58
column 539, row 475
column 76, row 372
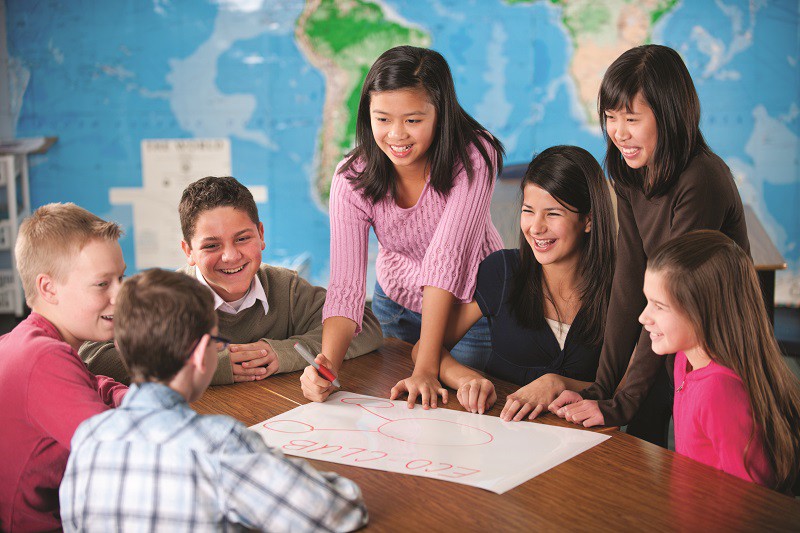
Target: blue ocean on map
column 105, row 79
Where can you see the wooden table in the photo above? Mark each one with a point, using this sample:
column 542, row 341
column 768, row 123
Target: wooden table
column 766, row 258
column 622, row 484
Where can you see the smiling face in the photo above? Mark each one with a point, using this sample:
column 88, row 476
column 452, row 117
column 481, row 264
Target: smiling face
column 85, row 299
column 403, row 126
column 226, row 248
column 634, row 132
column 554, row 233
column 669, row 328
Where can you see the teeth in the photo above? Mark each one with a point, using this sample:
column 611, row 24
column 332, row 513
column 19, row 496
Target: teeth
column 107, row 317
column 629, row 151
column 400, row 149
column 233, row 270
column 542, row 244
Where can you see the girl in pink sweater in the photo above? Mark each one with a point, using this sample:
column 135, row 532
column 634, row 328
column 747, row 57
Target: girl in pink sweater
column 737, row 404
column 422, row 176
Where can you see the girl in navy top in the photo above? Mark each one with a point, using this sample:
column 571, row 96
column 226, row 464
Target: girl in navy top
column 546, row 301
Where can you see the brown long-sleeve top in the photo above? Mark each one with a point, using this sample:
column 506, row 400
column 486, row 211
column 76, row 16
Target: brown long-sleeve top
column 704, row 197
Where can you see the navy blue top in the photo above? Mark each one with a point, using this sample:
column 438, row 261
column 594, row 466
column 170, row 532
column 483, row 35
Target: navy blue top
column 521, row 354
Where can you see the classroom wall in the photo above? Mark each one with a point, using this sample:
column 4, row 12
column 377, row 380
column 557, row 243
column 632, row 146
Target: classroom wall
column 6, row 116
column 268, row 90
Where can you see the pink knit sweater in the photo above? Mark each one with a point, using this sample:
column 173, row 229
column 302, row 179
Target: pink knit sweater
column 438, row 242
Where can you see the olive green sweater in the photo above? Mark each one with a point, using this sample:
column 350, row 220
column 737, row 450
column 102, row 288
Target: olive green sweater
column 295, row 314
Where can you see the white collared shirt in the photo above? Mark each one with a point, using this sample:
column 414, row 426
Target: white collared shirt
column 255, row 292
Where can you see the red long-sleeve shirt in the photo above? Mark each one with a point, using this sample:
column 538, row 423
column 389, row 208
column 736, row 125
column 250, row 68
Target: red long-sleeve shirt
column 45, row 393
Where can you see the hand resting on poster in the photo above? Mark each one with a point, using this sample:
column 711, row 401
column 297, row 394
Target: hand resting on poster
column 420, row 386
column 474, row 392
column 534, row 398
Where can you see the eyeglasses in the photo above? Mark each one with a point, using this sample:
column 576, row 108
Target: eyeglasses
column 222, row 342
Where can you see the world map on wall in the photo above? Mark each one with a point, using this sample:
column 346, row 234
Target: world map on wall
column 280, row 81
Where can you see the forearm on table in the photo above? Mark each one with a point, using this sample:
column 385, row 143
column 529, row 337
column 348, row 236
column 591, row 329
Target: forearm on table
column 573, row 384
column 452, row 373
column 337, row 333
column 436, row 306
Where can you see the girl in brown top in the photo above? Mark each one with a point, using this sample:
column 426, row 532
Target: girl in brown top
column 668, row 182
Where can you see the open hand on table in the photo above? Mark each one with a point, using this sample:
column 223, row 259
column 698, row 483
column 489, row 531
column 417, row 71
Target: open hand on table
column 477, row 395
column 426, row 386
column 253, row 361
column 532, row 399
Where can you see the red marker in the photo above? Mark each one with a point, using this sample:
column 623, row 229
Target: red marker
column 324, row 372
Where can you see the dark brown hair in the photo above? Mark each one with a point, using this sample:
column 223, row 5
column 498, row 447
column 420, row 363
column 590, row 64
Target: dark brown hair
column 209, row 193
column 573, row 177
column 713, row 282
column 660, row 76
column 409, row 67
column 158, row 319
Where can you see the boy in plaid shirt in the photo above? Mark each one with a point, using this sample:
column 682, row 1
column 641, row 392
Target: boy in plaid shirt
column 155, row 464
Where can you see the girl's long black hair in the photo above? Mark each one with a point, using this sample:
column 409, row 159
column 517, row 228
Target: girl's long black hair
column 409, row 67
column 573, row 177
column 657, row 73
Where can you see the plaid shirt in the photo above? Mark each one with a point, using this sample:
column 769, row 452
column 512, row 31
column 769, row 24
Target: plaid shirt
column 154, row 464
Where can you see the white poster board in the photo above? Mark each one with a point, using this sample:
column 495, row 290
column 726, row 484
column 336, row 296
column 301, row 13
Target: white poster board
column 477, row 450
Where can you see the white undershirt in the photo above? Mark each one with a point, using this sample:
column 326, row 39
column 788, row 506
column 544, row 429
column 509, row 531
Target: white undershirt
column 560, row 330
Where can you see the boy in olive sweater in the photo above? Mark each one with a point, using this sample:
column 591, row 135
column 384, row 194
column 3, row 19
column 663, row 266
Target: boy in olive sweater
column 263, row 309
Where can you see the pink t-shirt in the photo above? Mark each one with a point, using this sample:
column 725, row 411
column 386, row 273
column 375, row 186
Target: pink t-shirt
column 713, row 422
column 438, row 242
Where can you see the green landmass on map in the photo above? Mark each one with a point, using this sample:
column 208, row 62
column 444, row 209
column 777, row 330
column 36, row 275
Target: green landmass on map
column 343, row 39
column 599, row 31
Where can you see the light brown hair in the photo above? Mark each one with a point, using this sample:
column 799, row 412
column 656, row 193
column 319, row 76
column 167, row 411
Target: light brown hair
column 51, row 237
column 209, row 193
column 159, row 318
column 713, row 282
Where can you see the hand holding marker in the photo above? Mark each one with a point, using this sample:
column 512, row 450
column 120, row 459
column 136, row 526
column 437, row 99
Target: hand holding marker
column 323, row 371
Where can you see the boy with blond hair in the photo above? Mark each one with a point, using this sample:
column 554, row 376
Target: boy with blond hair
column 155, row 464
column 262, row 308
column 71, row 268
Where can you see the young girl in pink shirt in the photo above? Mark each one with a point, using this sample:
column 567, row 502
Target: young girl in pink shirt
column 737, row 404
column 422, row 176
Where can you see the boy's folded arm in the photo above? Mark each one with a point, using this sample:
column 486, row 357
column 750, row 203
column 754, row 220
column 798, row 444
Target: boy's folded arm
column 291, row 494
column 306, row 302
column 224, row 373
column 288, row 359
column 369, row 339
column 103, row 359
